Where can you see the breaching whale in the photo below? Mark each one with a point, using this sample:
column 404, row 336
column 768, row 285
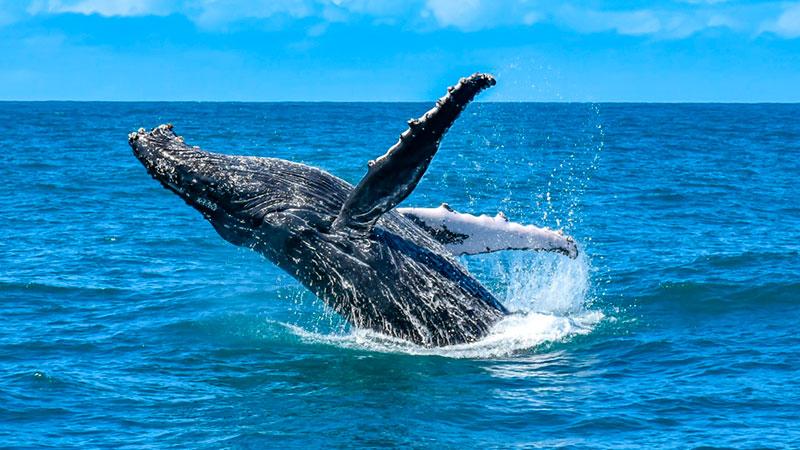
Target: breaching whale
column 387, row 269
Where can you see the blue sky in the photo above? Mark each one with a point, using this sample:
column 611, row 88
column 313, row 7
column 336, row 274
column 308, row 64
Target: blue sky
column 360, row 50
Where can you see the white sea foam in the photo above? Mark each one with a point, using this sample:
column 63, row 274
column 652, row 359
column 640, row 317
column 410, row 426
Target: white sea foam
column 547, row 293
column 514, row 334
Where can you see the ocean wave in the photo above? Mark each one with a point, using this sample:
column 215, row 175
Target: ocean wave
column 52, row 288
column 715, row 296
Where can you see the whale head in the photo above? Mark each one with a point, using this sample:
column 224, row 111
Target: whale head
column 190, row 173
column 239, row 195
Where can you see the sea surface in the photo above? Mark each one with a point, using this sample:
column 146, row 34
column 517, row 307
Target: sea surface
column 127, row 322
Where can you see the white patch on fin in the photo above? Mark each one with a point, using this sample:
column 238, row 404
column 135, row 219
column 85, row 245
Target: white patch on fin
column 465, row 234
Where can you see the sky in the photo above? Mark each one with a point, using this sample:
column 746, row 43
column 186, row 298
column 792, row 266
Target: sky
column 401, row 50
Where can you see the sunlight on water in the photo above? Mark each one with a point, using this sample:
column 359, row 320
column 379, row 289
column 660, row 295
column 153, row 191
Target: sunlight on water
column 547, row 294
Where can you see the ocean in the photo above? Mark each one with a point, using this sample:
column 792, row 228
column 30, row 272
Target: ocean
column 128, row 322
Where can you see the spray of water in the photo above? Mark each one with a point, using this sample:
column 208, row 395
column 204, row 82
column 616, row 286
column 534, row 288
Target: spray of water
column 547, row 294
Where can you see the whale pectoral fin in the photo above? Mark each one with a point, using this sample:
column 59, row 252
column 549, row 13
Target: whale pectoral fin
column 392, row 177
column 465, row 234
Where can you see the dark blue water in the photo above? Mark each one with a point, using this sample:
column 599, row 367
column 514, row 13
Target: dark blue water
column 127, row 321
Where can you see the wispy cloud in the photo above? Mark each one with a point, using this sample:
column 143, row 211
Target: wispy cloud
column 106, row 8
column 473, row 15
column 787, row 24
column 11, row 11
column 623, row 22
column 675, row 19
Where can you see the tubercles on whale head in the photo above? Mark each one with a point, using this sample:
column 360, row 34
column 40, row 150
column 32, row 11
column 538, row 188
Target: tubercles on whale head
column 180, row 168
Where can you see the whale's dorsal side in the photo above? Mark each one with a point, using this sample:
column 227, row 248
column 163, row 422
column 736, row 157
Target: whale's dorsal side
column 393, row 176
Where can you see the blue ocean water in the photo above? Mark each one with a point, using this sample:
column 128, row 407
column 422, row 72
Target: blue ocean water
column 126, row 321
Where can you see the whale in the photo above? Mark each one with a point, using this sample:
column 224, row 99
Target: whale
column 392, row 270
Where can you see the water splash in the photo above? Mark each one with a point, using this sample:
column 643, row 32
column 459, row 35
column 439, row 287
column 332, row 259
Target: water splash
column 515, row 334
column 548, row 295
column 544, row 283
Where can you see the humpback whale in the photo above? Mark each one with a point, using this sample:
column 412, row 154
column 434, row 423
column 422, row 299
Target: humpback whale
column 392, row 270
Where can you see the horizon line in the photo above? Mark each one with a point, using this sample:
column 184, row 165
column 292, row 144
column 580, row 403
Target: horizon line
column 565, row 102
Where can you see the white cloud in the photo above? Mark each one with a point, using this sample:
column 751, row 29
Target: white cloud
column 11, row 11
column 458, row 13
column 704, row 2
column 107, row 8
column 663, row 23
column 722, row 21
column 675, row 19
column 623, row 22
column 208, row 13
column 788, row 23
column 375, row 8
column 473, row 15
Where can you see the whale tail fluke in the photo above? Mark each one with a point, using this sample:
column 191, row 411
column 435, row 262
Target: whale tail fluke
column 393, row 176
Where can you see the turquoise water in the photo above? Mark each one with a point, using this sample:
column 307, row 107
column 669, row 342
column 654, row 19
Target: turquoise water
column 126, row 321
